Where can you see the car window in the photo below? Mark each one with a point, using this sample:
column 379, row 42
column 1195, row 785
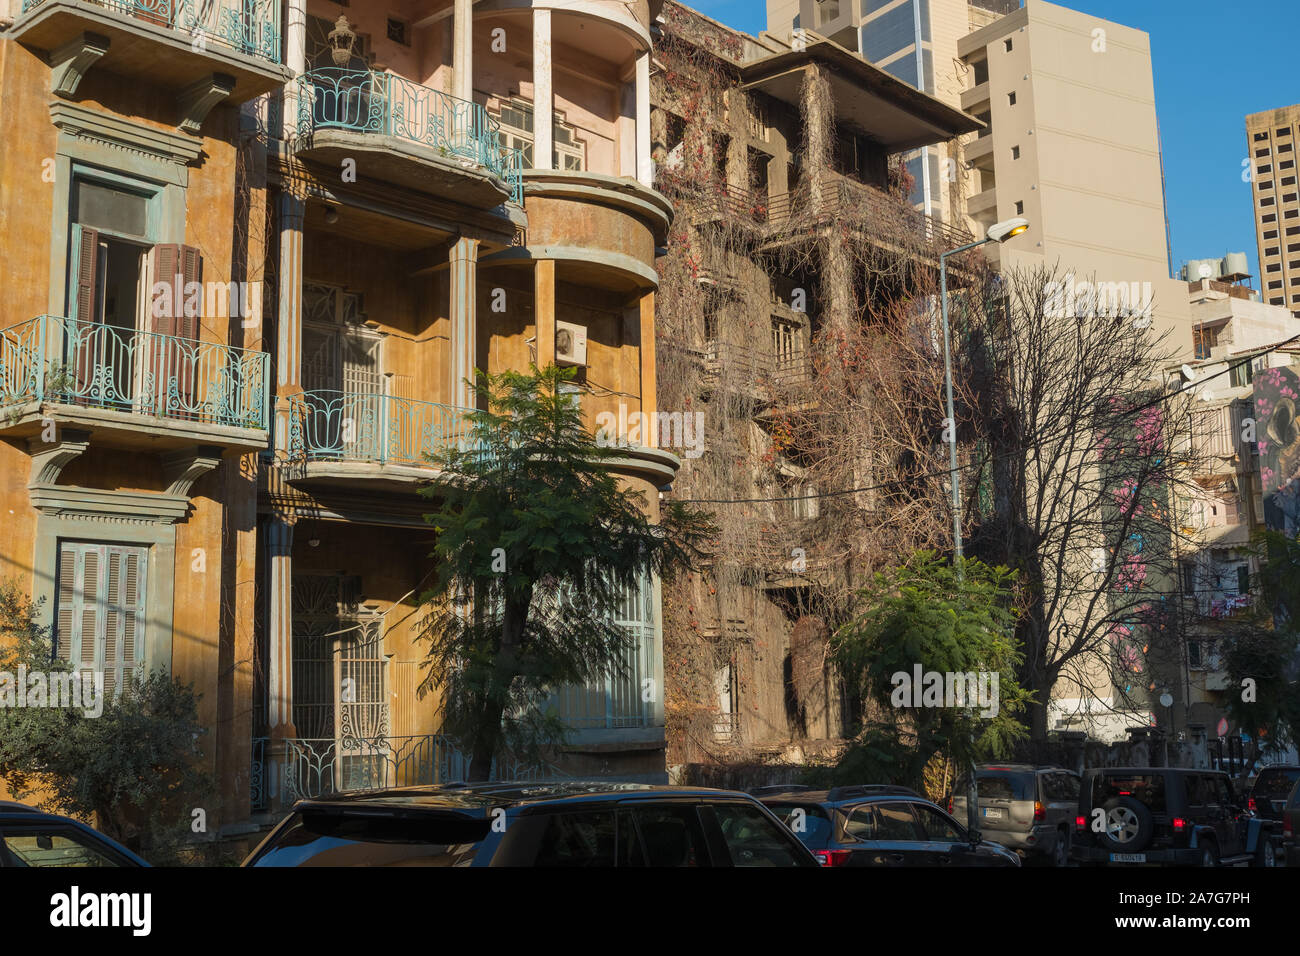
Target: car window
column 1223, row 792
column 1148, row 788
column 52, row 846
column 752, row 838
column 861, row 824
column 1070, row 786
column 808, row 821
column 578, row 839
column 668, row 836
column 897, row 822
column 938, row 827
column 1276, row 783
column 317, row 838
column 1004, row 785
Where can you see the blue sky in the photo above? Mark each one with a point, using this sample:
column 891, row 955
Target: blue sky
column 1213, row 64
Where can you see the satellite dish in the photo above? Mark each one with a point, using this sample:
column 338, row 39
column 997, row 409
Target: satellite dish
column 1205, row 271
column 1189, row 373
column 1166, row 700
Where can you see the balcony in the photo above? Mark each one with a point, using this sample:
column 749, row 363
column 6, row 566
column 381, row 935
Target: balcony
column 209, row 50
column 350, row 438
column 401, row 132
column 130, row 388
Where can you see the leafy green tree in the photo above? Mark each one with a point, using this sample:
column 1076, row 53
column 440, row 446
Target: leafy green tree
column 133, row 768
column 538, row 541
column 925, row 615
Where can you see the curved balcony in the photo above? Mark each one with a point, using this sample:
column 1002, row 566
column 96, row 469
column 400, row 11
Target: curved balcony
column 130, row 387
column 351, row 438
column 409, row 133
column 179, row 44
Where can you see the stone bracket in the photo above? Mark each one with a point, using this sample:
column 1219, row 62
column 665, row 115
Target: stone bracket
column 70, row 62
column 182, row 468
column 197, row 100
column 50, row 458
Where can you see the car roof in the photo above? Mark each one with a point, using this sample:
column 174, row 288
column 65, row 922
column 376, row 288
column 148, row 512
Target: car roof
column 475, row 797
column 842, row 795
column 1018, row 767
column 1153, row 770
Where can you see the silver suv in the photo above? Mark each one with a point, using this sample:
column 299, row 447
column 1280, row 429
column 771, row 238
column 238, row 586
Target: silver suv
column 1025, row 808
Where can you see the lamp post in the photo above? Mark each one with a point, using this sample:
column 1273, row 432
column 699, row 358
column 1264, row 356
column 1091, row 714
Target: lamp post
column 998, row 232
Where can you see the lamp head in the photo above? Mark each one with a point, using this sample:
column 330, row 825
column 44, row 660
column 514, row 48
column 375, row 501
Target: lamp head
column 1002, row 231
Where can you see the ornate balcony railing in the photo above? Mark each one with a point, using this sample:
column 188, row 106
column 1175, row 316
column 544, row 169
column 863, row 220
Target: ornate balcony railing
column 251, row 27
column 357, row 426
column 90, row 364
column 365, row 101
column 316, row 767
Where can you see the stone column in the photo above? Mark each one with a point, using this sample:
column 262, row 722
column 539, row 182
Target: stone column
column 649, row 400
column 544, row 311
column 463, row 259
column 288, row 357
column 543, row 92
column 644, row 167
column 279, row 664
column 295, row 58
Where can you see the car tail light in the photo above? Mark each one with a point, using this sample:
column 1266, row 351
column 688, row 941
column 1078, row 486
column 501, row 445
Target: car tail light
column 833, row 857
column 1081, row 822
column 1250, row 804
column 950, row 804
column 1179, row 824
column 1040, row 811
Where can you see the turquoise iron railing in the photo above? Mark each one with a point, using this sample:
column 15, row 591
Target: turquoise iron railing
column 354, row 426
column 364, row 101
column 53, row 359
column 251, row 27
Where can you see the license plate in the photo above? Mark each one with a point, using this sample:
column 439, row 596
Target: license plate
column 1128, row 858
column 993, row 813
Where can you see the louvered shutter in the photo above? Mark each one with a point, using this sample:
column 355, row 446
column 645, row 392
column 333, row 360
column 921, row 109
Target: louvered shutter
column 82, row 331
column 64, row 603
column 175, row 267
column 100, row 609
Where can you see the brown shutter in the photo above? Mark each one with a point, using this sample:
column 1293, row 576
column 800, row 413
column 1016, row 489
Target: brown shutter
column 83, row 336
column 175, row 267
column 166, row 266
column 191, row 269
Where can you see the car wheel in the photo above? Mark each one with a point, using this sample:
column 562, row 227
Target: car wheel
column 1061, row 855
column 1266, row 855
column 1209, row 855
column 1128, row 825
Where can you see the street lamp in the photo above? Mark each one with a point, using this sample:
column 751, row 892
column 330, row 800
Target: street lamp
column 998, row 232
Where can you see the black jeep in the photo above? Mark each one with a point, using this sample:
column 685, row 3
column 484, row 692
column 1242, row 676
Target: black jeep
column 1164, row 815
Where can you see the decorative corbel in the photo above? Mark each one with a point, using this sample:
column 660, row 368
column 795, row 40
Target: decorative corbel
column 182, row 468
column 70, row 62
column 197, row 99
column 49, row 458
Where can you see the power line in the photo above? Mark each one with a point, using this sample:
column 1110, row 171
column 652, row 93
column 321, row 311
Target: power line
column 946, row 471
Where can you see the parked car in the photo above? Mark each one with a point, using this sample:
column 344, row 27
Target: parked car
column 881, row 826
column 31, row 837
column 1291, row 827
column 1268, row 795
column 567, row 824
column 1026, row 808
column 1166, row 815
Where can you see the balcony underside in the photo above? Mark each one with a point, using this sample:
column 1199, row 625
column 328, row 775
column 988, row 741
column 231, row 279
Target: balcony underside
column 392, row 159
column 386, row 477
column 156, row 55
column 131, row 431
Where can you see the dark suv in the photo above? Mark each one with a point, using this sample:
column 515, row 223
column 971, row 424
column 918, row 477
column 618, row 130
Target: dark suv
column 1026, row 808
column 881, row 826
column 31, row 837
column 1166, row 815
column 569, row 824
column 1272, row 787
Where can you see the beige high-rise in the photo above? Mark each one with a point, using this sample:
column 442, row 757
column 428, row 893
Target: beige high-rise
column 1271, row 137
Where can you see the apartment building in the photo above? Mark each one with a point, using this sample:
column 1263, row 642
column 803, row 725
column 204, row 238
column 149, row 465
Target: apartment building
column 227, row 489
column 775, row 157
column 1271, row 138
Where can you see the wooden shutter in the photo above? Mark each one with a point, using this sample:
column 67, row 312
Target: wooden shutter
column 83, row 334
column 64, row 603
column 101, row 607
column 173, row 359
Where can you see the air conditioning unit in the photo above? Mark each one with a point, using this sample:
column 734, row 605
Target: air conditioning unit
column 570, row 344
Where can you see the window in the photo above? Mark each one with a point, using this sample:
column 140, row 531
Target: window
column 1268, row 217
column 1283, row 131
column 861, row 824
column 752, row 838
column 1006, row 44
column 1288, row 180
column 1193, row 653
column 1289, row 197
column 1261, row 152
column 938, row 827
column 1011, row 98
column 1243, row 579
column 1286, row 164
column 517, row 132
column 578, row 839
column 1261, row 136
column 46, row 845
column 668, row 836
column 1284, row 148
column 981, row 68
column 1015, row 152
column 897, row 823
column 100, row 609
column 1189, row 577
column 1241, row 374
column 1020, row 207
column 1272, row 250
column 1266, row 201
column 808, row 821
column 399, row 31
